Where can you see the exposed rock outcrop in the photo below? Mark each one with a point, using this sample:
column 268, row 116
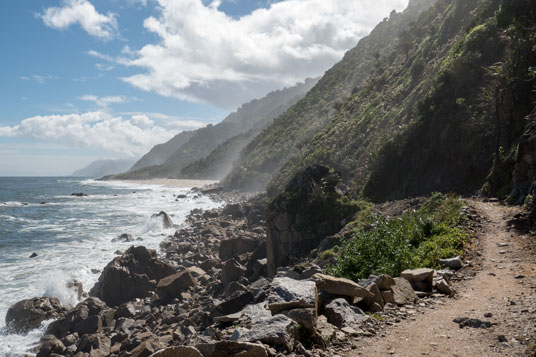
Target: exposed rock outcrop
column 132, row 275
column 28, row 314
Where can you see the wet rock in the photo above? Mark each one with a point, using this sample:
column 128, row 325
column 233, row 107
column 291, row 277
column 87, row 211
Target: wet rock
column 33, row 255
column 28, row 314
column 236, row 246
column 469, row 322
column 232, row 271
column 232, row 348
column 88, row 317
column 78, row 194
column 403, row 293
column 286, row 294
column 77, row 287
column 340, row 286
column 166, row 220
column 453, row 263
column 132, row 275
column 340, row 313
column 170, row 286
column 125, row 237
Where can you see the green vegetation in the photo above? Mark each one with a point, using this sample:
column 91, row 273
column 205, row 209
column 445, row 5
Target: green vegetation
column 416, row 239
column 422, row 104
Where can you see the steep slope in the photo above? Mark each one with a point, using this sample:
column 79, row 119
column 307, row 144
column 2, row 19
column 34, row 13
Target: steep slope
column 290, row 133
column 256, row 114
column 438, row 104
column 103, row 167
column 161, row 152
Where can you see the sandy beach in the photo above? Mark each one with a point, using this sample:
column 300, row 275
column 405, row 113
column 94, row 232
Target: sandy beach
column 175, row 182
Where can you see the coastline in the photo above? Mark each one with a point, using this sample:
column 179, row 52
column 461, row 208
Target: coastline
column 174, row 182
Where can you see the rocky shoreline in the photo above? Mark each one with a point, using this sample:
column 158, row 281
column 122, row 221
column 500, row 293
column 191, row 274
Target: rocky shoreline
column 210, row 293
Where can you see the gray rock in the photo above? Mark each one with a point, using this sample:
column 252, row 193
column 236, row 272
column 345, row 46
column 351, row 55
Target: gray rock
column 232, row 271
column 442, row 286
column 286, row 294
column 178, row 351
column 453, row 263
column 384, row 281
column 340, row 286
column 279, row 330
column 234, row 305
column 469, row 322
column 125, row 237
column 377, row 298
column 231, row 348
column 403, row 293
column 28, row 314
column 341, row 314
column 325, row 330
column 304, row 317
column 420, row 279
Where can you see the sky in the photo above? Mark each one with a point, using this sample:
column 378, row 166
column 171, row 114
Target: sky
column 83, row 80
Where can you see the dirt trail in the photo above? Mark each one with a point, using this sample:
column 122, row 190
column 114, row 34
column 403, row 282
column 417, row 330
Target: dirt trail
column 497, row 288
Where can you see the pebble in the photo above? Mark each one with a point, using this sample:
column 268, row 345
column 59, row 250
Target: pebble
column 519, row 276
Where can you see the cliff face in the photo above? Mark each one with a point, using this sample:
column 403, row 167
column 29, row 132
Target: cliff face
column 425, row 103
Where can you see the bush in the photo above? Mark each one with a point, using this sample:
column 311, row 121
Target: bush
column 415, row 239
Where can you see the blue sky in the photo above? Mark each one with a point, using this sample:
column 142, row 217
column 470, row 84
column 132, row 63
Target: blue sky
column 94, row 79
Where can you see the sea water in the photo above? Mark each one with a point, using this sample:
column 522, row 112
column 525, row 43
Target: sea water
column 73, row 236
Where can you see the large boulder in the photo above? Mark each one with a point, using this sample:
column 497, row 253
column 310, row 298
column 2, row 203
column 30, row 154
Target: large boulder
column 232, row 271
column 28, row 314
column 287, row 294
column 278, row 331
column 340, row 286
column 170, row 286
column 310, row 209
column 88, row 317
column 236, row 246
column 132, row 275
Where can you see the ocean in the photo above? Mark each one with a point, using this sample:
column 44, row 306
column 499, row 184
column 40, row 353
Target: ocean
column 72, row 236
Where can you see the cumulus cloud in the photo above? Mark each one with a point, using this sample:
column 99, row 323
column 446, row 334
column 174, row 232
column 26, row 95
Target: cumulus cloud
column 97, row 130
column 204, row 55
column 81, row 12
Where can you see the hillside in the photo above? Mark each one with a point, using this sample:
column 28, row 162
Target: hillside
column 193, row 146
column 161, row 152
column 286, row 138
column 433, row 101
column 103, row 167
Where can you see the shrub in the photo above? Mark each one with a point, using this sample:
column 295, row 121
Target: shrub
column 416, row 239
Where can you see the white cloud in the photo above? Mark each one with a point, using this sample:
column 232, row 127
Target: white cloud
column 97, row 130
column 81, row 12
column 205, row 55
column 105, row 101
column 137, row 2
column 38, row 78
